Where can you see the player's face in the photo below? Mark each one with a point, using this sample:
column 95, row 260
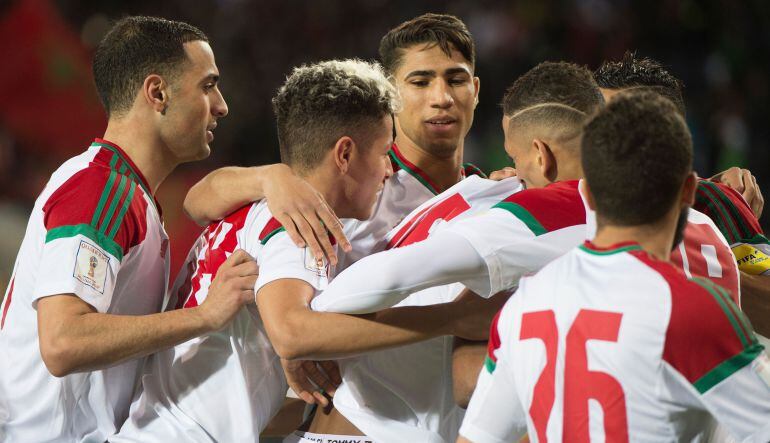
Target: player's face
column 439, row 95
column 525, row 158
column 194, row 105
column 369, row 169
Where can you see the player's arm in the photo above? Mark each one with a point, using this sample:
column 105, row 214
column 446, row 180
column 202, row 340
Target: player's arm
column 495, row 413
column 384, row 279
column 743, row 182
column 74, row 337
column 301, row 209
column 297, row 332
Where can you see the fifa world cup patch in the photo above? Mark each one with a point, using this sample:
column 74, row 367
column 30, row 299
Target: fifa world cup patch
column 762, row 367
column 91, row 266
column 751, row 260
column 319, row 267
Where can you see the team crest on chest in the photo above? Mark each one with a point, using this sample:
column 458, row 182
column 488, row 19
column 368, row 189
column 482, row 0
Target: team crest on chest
column 91, row 266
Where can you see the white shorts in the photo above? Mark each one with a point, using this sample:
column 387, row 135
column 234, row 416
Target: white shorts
column 309, row 437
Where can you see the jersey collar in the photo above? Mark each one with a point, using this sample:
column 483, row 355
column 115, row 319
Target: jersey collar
column 626, row 246
column 400, row 162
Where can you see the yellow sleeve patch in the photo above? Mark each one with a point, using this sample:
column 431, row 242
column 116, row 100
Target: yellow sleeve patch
column 751, row 260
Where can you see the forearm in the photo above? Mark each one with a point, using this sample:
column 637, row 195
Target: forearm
column 225, row 190
column 321, row 335
column 467, row 361
column 755, row 301
column 93, row 340
column 382, row 280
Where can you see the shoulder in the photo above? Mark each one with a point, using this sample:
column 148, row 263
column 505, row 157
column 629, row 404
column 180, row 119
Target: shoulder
column 543, row 210
column 728, row 210
column 101, row 203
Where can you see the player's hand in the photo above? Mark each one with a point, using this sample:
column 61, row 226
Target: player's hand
column 502, row 174
column 743, row 182
column 473, row 314
column 304, row 213
column 311, row 379
column 232, row 288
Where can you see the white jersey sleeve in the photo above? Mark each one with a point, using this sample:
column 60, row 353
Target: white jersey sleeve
column 495, row 413
column 280, row 258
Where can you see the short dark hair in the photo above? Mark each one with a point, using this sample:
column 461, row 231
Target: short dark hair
column 134, row 48
column 322, row 102
column 445, row 31
column 636, row 153
column 554, row 82
column 633, row 72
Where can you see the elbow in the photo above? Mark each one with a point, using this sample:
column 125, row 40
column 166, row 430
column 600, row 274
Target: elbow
column 57, row 355
column 288, row 343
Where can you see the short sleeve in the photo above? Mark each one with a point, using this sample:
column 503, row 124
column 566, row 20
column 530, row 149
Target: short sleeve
column 91, row 223
column 280, row 258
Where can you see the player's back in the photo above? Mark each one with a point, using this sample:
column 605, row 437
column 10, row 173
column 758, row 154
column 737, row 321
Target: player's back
column 614, row 345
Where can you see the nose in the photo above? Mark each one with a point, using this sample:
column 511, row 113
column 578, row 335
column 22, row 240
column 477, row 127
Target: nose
column 441, row 94
column 218, row 105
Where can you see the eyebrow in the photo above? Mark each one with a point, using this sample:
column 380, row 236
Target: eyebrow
column 432, row 73
column 211, row 77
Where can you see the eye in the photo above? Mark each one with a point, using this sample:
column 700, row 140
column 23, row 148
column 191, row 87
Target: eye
column 209, row 86
column 419, row 83
column 457, row 81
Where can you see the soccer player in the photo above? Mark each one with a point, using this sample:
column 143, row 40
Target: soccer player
column 612, row 342
column 82, row 307
column 717, row 197
column 335, row 129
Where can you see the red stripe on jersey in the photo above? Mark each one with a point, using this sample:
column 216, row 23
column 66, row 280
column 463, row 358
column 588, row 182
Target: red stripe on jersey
column 494, row 343
column 131, row 166
column 726, row 207
column 76, row 200
column 8, row 298
column 221, row 241
column 556, row 206
column 700, row 334
column 271, row 226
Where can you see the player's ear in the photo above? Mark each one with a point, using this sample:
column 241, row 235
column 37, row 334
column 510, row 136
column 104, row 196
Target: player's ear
column 343, row 153
column 155, row 93
column 546, row 160
column 689, row 187
column 476, row 86
column 585, row 189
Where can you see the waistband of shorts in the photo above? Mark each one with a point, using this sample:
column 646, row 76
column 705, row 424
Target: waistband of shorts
column 331, row 438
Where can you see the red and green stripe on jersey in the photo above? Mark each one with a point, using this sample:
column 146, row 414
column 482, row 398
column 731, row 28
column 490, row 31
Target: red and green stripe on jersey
column 399, row 162
column 273, row 227
column 101, row 202
column 493, row 344
column 548, row 209
column 730, row 212
column 708, row 337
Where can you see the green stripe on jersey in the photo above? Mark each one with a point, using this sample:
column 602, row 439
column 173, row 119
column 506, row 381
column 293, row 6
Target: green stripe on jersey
column 744, row 229
column 113, row 205
column 105, row 195
column 758, row 239
column 87, row 231
column 523, row 215
column 490, row 365
column 412, row 173
column 123, row 209
column 723, row 221
column 610, row 251
column 727, row 368
column 270, row 235
column 725, row 303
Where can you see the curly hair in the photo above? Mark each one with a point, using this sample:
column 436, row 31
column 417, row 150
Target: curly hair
column 641, row 73
column 321, row 102
column 636, row 153
column 445, row 31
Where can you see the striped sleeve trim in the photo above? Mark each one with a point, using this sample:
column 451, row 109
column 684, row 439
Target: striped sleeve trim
column 727, row 368
column 736, row 317
column 543, row 210
column 735, row 224
column 115, row 199
column 272, row 227
column 88, row 231
column 493, row 344
column 522, row 214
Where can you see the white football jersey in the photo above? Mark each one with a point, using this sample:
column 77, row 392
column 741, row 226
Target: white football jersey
column 405, row 393
column 95, row 232
column 614, row 345
column 224, row 386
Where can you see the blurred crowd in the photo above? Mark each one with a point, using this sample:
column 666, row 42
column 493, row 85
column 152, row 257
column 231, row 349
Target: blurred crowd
column 49, row 111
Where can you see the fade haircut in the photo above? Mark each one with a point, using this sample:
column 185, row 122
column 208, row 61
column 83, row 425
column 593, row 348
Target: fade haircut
column 134, row 48
column 641, row 73
column 555, row 96
column 445, row 31
column 636, row 154
column 322, row 102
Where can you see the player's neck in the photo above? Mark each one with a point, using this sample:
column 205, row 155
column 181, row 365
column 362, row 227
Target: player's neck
column 656, row 239
column 444, row 171
column 143, row 147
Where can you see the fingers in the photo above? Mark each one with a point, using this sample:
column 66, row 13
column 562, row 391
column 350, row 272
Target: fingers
column 287, row 221
column 321, row 236
column 332, row 369
column 319, row 377
column 334, row 226
column 502, row 174
column 759, row 201
column 749, row 192
column 236, row 258
column 733, row 178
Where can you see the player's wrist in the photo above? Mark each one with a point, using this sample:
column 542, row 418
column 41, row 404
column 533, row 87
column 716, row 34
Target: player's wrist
column 268, row 176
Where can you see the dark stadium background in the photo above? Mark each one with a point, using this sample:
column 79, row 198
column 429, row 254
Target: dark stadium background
column 49, row 110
